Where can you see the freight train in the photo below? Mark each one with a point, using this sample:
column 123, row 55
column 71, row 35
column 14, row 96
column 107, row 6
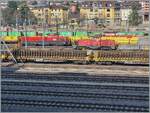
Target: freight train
column 51, row 40
column 100, row 43
column 82, row 56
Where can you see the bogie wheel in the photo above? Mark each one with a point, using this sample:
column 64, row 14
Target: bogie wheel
column 85, row 62
column 76, row 62
column 108, row 63
column 99, row 63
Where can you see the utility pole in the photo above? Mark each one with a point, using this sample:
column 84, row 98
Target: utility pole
column 17, row 23
column 126, row 26
column 56, row 24
column 87, row 27
column 0, row 17
column 43, row 28
column 25, row 28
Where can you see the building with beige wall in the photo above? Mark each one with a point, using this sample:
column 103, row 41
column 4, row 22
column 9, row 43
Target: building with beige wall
column 57, row 15
column 103, row 10
column 145, row 10
column 41, row 13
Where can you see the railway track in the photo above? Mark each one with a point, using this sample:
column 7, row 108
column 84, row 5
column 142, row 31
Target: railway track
column 73, row 92
column 73, row 105
column 76, row 87
column 75, row 77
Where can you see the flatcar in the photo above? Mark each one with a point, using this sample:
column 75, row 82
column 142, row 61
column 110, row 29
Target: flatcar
column 51, row 55
column 4, row 56
column 82, row 56
column 122, row 56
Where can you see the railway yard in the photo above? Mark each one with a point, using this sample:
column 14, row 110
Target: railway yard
column 75, row 56
column 64, row 87
column 77, row 73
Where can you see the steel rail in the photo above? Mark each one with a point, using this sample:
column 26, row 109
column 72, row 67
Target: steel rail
column 77, row 105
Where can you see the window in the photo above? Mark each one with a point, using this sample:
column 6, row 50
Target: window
column 108, row 4
column 52, row 14
column 108, row 21
column 91, row 4
column 96, row 10
column 72, row 21
column 108, row 15
column 108, row 10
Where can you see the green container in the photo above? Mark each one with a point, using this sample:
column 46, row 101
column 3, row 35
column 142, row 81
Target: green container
column 131, row 33
column 2, row 33
column 29, row 33
column 48, row 32
column 14, row 33
column 65, row 33
column 95, row 33
column 78, row 33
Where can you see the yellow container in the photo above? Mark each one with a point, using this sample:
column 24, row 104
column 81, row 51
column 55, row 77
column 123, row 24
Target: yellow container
column 75, row 38
column 122, row 40
column 10, row 38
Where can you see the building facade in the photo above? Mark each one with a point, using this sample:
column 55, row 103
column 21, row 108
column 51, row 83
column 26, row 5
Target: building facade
column 74, row 16
column 125, row 11
column 117, row 19
column 103, row 10
column 108, row 12
column 57, row 15
column 41, row 13
column 145, row 10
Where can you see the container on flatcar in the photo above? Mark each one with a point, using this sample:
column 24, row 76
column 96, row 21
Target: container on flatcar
column 10, row 39
column 96, row 44
column 122, row 40
column 50, row 40
column 58, row 40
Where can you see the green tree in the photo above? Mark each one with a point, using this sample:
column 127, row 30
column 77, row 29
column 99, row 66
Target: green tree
column 134, row 18
column 13, row 5
column 34, row 3
column 8, row 14
column 26, row 14
column 17, row 10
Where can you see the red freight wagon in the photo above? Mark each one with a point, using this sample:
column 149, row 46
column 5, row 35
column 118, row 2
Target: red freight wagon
column 51, row 40
column 57, row 40
column 96, row 44
column 31, row 38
